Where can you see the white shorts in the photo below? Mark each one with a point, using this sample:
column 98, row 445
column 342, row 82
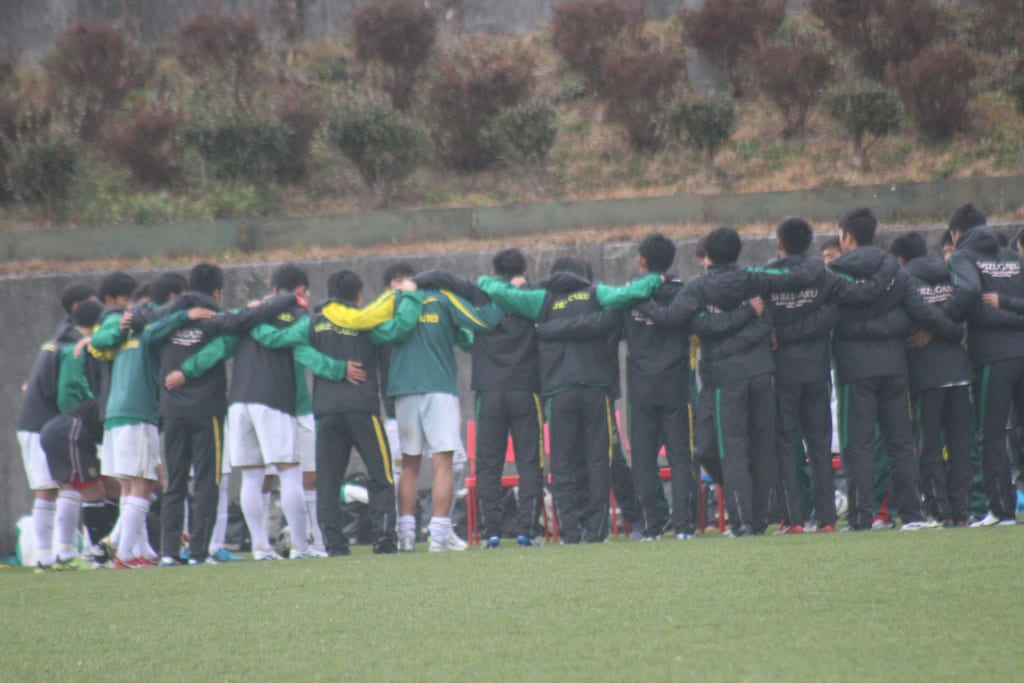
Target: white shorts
column 34, row 458
column 305, row 442
column 132, row 451
column 105, row 454
column 428, row 423
column 258, row 435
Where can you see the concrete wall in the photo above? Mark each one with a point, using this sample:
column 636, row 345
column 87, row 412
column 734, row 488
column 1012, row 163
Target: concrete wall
column 31, row 310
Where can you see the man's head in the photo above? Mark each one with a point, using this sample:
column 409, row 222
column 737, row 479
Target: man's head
column 700, row 252
column 1018, row 243
column 291, row 278
column 908, row 247
column 509, row 263
column 117, row 288
column 346, row 286
column 831, row 250
column 965, row 219
column 572, row 264
column 656, row 253
column 166, row 287
column 208, row 279
column 86, row 315
column 947, row 245
column 74, row 294
column 723, row 245
column 396, row 273
column 857, row 228
column 795, row 236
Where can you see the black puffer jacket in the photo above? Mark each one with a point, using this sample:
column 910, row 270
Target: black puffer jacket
column 980, row 265
column 940, row 363
column 870, row 341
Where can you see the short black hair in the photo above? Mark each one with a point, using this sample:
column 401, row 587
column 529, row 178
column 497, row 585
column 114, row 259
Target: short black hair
column 76, row 293
column 206, row 278
column 1018, row 240
column 658, row 251
column 509, row 263
column 908, row 246
column 967, row 217
column 572, row 264
column 166, row 285
column 700, row 250
column 289, row 277
column 397, row 269
column 87, row 314
column 947, row 237
column 723, row 245
column 1002, row 239
column 117, row 283
column 143, row 291
column 861, row 224
column 832, row 243
column 795, row 234
column 344, row 285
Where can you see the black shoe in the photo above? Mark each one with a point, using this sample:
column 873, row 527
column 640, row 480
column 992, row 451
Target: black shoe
column 341, row 552
column 742, row 530
column 385, row 547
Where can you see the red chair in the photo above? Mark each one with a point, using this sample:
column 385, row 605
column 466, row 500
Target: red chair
column 507, row 482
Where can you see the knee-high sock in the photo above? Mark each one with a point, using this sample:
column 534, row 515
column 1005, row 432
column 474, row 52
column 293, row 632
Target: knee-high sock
column 251, row 499
column 133, row 524
column 314, row 522
column 440, row 528
column 98, row 520
column 294, row 505
column 115, row 533
column 69, row 504
column 220, row 527
column 42, row 522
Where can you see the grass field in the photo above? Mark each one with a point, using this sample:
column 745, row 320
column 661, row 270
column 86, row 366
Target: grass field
column 883, row 605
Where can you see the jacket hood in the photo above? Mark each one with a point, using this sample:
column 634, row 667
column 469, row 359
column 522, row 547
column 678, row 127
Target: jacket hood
column 192, row 298
column 813, row 265
column 669, row 288
column 729, row 283
column 979, row 239
column 930, row 269
column 862, row 262
column 564, row 282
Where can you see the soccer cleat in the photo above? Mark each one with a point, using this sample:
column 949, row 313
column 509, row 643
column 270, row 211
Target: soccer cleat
column 451, row 542
column 406, row 543
column 988, row 520
column 310, row 553
column 879, row 524
column 653, row 537
column 265, row 555
column 42, row 568
column 683, row 536
column 72, row 564
column 527, row 542
column 385, row 546
column 225, row 555
column 119, row 564
column 1006, row 522
column 141, row 563
column 827, row 529
column 168, row 561
column 920, row 526
column 492, row 543
column 789, row 529
column 811, row 527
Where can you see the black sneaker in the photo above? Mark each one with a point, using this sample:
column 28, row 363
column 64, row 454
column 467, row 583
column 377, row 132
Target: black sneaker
column 385, row 547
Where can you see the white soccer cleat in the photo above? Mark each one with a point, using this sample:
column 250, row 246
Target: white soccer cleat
column 919, row 526
column 265, row 555
column 988, row 520
column 406, row 543
column 310, row 553
column 451, row 542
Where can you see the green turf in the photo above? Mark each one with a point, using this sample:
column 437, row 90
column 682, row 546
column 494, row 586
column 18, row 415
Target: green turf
column 882, row 605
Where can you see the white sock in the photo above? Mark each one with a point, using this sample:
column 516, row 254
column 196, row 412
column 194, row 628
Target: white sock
column 115, row 533
column 220, row 527
column 311, row 516
column 133, row 524
column 294, row 505
column 251, row 500
column 69, row 505
column 407, row 525
column 42, row 522
column 440, row 528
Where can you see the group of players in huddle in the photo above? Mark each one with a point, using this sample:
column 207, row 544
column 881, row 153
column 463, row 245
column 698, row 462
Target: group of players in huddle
column 131, row 394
